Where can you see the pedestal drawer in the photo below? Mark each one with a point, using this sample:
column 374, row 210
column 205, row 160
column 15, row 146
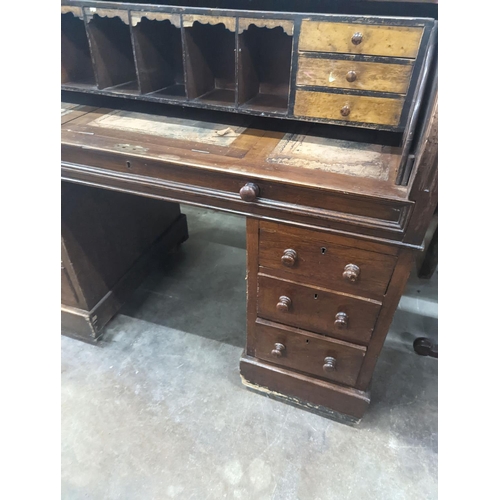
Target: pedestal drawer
column 307, row 352
column 313, row 308
column 318, row 258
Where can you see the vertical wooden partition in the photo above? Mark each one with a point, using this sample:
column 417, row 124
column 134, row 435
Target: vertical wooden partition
column 76, row 64
column 158, row 53
column 210, row 58
column 264, row 64
column 111, row 47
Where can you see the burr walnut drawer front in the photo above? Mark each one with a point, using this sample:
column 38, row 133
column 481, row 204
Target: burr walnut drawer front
column 353, row 38
column 313, row 308
column 307, row 352
column 350, row 108
column 353, row 75
column 319, row 258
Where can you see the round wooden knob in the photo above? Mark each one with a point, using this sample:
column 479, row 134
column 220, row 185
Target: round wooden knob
column 249, row 192
column 351, row 273
column 278, row 350
column 284, row 304
column 341, row 319
column 345, row 110
column 289, row 257
column 357, row 38
column 351, row 76
column 329, row 365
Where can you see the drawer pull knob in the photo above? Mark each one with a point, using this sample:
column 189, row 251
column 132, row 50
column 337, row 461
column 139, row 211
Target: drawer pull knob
column 341, row 320
column 289, row 257
column 357, row 38
column 249, row 192
column 345, row 110
column 278, row 350
column 351, row 76
column 351, row 273
column 329, row 365
column 284, row 304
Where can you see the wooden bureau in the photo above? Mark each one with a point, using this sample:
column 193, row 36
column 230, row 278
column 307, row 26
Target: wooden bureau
column 319, row 126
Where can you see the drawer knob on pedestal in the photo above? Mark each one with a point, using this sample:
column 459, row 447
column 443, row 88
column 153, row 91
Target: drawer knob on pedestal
column 351, row 76
column 329, row 365
column 278, row 350
column 289, row 257
column 351, row 273
column 357, row 38
column 341, row 319
column 345, row 110
column 249, row 192
column 284, row 304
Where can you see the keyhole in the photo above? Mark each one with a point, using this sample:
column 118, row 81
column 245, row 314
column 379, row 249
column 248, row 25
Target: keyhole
column 128, row 164
column 323, row 250
column 307, row 341
column 315, row 296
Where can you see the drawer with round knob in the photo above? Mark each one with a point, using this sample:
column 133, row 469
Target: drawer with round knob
column 355, row 75
column 308, row 352
column 333, row 314
column 333, row 262
column 350, row 108
column 369, row 39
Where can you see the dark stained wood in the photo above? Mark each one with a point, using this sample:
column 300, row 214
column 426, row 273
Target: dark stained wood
column 316, row 309
column 307, row 352
column 391, row 301
column 158, row 55
column 108, row 239
column 330, row 230
column 308, row 392
column 424, row 183
column 321, row 260
column 112, row 54
column 251, row 278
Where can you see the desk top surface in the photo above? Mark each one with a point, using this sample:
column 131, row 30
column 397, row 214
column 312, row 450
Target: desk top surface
column 302, row 154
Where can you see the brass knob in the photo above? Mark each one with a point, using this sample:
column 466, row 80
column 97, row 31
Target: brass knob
column 278, row 350
column 357, row 38
column 329, row 365
column 249, row 192
column 351, row 76
column 284, row 304
column 289, row 257
column 351, row 273
column 345, row 110
column 341, row 319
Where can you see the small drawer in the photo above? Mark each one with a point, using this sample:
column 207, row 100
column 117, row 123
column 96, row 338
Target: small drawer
column 375, row 40
column 318, row 258
column 307, row 352
column 350, row 108
column 357, row 75
column 332, row 314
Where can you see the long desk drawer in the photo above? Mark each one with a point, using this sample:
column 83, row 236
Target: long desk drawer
column 307, row 352
column 316, row 309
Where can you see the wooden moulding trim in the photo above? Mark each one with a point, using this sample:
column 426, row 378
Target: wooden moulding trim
column 302, row 389
column 287, row 25
column 76, row 11
column 73, row 171
column 136, row 17
column 229, row 22
column 110, row 13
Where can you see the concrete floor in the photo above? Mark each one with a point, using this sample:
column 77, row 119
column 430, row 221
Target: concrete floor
column 158, row 410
